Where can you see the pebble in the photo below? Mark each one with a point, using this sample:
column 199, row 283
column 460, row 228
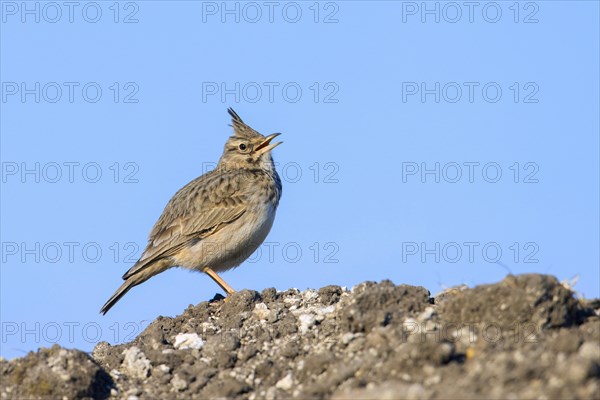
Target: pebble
column 285, row 383
column 261, row 311
column 184, row 341
column 179, row 383
column 590, row 351
column 136, row 363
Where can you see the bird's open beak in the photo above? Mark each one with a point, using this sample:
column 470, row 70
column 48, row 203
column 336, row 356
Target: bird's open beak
column 265, row 146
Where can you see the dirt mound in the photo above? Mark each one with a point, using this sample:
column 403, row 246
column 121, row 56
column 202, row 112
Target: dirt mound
column 525, row 337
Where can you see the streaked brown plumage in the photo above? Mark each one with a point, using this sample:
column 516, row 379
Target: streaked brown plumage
column 217, row 220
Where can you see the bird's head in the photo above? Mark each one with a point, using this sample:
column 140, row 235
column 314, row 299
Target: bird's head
column 247, row 148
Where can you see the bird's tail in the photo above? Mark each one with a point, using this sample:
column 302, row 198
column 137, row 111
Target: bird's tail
column 134, row 280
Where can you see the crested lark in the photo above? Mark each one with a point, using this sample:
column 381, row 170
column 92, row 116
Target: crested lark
column 218, row 220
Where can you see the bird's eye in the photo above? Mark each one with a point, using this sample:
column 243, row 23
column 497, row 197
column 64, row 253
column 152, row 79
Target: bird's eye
column 242, row 146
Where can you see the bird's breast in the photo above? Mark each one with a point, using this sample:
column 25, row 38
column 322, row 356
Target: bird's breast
column 232, row 244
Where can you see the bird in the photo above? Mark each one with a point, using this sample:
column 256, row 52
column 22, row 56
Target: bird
column 219, row 219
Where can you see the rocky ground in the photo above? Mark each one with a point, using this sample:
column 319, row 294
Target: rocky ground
column 526, row 337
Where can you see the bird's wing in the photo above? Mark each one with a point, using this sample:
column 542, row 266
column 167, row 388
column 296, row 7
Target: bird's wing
column 198, row 210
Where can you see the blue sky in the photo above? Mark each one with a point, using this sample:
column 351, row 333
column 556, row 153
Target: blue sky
column 431, row 146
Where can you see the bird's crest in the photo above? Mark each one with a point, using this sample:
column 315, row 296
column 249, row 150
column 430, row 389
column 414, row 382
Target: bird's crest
column 240, row 128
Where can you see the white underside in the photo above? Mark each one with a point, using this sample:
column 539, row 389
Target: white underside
column 231, row 245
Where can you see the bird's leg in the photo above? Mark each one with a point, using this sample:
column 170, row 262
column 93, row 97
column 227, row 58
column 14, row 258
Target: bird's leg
column 228, row 289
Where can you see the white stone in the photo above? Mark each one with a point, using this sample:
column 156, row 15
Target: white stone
column 58, row 364
column 184, row 341
column 427, row 314
column 136, row 363
column 327, row 310
column 306, row 321
column 590, row 351
column 291, row 300
column 347, row 337
column 164, row 368
column 261, row 311
column 115, row 374
column 310, row 295
column 179, row 383
column 270, row 395
column 285, row 383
